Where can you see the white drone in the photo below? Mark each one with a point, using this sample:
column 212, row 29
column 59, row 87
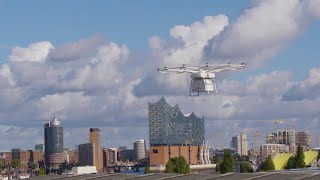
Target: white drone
column 202, row 76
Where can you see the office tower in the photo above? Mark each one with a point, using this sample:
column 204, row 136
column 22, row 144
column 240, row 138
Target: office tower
column 233, row 143
column 53, row 140
column 286, row 137
column 86, row 154
column 95, row 138
column 240, row 144
column 303, row 138
column 39, row 147
column 139, row 148
column 168, row 126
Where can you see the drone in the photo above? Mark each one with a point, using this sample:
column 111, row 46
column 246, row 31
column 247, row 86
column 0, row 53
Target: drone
column 202, row 76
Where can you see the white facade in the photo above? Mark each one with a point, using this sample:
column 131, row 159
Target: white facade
column 240, row 144
column 273, row 149
column 139, row 147
column 84, row 170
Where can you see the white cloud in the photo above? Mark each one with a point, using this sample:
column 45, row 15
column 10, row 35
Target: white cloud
column 184, row 47
column 35, row 52
column 308, row 88
column 96, row 83
column 261, row 31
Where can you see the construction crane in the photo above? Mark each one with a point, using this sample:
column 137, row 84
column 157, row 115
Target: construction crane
column 272, row 121
column 275, row 122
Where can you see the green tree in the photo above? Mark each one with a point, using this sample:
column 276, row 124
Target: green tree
column 2, row 164
column 170, row 166
column 299, row 158
column 227, row 164
column 178, row 165
column 15, row 163
column 291, row 164
column 216, row 160
column 318, row 157
column 267, row 165
column 42, row 172
column 245, row 167
column 147, row 170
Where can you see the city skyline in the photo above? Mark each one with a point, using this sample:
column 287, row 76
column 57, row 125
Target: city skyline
column 99, row 68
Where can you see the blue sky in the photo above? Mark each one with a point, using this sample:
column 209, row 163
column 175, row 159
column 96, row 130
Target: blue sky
column 124, row 22
column 131, row 23
column 89, row 58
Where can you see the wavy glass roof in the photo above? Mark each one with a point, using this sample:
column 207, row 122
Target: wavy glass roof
column 168, row 126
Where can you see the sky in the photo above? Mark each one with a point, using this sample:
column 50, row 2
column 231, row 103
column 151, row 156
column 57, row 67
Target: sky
column 96, row 61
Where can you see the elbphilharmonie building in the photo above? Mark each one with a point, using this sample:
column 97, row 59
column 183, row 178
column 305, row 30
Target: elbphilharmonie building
column 168, row 126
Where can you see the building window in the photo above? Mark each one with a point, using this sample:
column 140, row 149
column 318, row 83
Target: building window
column 155, row 151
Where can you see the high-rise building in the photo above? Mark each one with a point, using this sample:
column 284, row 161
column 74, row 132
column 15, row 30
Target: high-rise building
column 53, row 140
column 86, row 154
column 303, row 138
column 233, row 143
column 95, row 138
column 240, row 144
column 286, row 137
column 168, row 126
column 39, row 147
column 139, row 148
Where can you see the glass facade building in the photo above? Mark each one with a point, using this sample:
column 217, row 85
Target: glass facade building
column 168, row 126
column 53, row 138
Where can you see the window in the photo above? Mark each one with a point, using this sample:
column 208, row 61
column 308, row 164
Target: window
column 155, row 151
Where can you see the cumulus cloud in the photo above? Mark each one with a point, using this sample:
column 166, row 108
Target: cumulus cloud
column 184, row 47
column 308, row 88
column 35, row 52
column 261, row 31
column 96, row 83
column 83, row 48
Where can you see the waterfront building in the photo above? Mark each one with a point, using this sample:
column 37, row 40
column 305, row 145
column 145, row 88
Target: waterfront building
column 53, row 138
column 139, row 148
column 173, row 134
column 95, row 138
column 86, row 154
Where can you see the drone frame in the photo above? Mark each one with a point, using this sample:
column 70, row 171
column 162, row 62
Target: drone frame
column 207, row 68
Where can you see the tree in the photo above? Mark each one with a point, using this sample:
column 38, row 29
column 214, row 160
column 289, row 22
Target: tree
column 216, row 160
column 267, row 165
column 227, row 164
column 42, row 172
column 299, row 158
column 170, row 166
column 147, row 170
column 291, row 164
column 318, row 157
column 245, row 167
column 2, row 164
column 15, row 163
column 178, row 165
